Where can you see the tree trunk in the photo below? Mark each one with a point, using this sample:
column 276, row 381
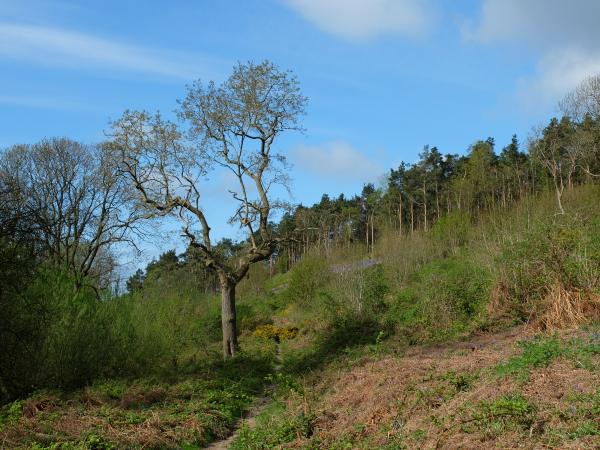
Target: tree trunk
column 559, row 192
column 400, row 213
column 437, row 201
column 228, row 318
column 372, row 233
column 424, row 208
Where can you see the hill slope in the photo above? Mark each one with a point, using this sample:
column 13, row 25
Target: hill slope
column 503, row 390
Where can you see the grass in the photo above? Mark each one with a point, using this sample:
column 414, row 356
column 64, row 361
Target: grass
column 543, row 350
column 189, row 412
column 511, row 412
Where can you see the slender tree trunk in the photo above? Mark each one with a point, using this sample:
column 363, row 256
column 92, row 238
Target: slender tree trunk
column 424, row 208
column 560, row 187
column 437, row 201
column 372, row 233
column 412, row 217
column 228, row 317
column 400, row 214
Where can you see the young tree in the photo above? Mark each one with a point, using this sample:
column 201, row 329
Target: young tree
column 233, row 127
column 553, row 149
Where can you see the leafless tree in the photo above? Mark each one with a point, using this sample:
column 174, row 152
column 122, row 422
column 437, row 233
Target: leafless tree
column 582, row 105
column 557, row 150
column 584, row 100
column 77, row 203
column 233, row 127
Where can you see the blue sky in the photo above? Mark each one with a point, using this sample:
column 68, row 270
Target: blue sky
column 384, row 77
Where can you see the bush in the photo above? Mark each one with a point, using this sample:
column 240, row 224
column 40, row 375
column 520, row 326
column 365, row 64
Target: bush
column 305, row 279
column 452, row 231
column 552, row 274
column 66, row 337
column 442, row 299
column 62, row 336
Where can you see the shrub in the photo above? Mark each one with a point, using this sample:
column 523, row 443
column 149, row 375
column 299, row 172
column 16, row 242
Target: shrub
column 452, row 231
column 277, row 333
column 441, row 299
column 305, row 279
column 552, row 275
column 62, row 336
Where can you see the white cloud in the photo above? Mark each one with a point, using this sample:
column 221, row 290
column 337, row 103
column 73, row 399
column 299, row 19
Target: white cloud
column 540, row 23
column 564, row 36
column 366, row 19
column 66, row 48
column 337, row 160
column 557, row 73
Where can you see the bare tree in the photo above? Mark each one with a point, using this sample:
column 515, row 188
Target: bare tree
column 555, row 149
column 582, row 105
column 584, row 100
column 77, row 203
column 232, row 127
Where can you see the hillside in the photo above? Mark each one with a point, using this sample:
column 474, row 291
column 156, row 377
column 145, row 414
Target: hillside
column 501, row 390
column 421, row 345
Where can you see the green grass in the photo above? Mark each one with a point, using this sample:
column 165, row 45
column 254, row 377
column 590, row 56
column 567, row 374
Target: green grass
column 511, row 412
column 541, row 351
column 190, row 410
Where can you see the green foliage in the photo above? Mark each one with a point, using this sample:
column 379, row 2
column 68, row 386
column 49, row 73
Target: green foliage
column 10, row 413
column 461, row 382
column 452, row 231
column 274, row 430
column 511, row 412
column 64, row 332
column 95, row 442
column 541, row 351
column 374, row 287
column 443, row 298
column 562, row 250
column 308, row 276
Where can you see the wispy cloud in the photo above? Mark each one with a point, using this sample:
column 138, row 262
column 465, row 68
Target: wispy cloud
column 556, row 74
column 337, row 160
column 43, row 102
column 361, row 20
column 73, row 49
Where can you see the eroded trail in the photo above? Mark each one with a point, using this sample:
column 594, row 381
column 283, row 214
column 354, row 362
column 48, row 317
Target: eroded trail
column 249, row 419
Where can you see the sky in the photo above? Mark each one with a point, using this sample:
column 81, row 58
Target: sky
column 383, row 77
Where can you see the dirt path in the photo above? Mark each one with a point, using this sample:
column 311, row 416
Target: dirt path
column 249, row 418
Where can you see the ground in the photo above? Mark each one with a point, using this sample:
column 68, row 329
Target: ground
column 514, row 389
